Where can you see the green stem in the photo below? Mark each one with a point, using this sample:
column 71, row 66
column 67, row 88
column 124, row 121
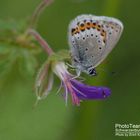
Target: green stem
column 38, row 11
column 41, row 41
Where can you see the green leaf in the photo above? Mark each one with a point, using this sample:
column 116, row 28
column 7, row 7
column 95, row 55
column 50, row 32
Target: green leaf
column 13, row 25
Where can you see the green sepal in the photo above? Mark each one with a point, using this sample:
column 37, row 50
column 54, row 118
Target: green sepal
column 60, row 56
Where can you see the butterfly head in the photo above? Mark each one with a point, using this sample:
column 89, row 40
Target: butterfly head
column 91, row 71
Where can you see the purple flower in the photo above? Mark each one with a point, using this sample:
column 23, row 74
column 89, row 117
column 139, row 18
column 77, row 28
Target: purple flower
column 55, row 64
column 76, row 89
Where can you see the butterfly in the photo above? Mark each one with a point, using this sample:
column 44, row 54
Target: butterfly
column 91, row 39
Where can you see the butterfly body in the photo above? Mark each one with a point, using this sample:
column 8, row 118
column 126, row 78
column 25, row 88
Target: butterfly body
column 91, row 39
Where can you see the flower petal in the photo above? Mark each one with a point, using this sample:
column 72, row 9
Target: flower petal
column 90, row 92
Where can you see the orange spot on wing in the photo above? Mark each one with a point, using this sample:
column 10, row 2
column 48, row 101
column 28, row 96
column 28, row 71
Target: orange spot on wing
column 75, row 30
column 88, row 25
column 82, row 27
column 94, row 25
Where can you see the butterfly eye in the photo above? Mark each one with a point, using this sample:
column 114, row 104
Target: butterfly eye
column 92, row 72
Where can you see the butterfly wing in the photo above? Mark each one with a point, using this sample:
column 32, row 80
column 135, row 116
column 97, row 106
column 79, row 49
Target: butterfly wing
column 91, row 39
column 113, row 29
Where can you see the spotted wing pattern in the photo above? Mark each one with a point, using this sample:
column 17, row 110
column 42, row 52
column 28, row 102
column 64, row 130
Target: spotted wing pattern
column 91, row 39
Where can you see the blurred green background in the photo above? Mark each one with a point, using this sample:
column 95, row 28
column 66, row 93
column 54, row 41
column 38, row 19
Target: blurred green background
column 93, row 120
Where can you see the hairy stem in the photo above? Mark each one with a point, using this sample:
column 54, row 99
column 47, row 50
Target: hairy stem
column 41, row 41
column 38, row 11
